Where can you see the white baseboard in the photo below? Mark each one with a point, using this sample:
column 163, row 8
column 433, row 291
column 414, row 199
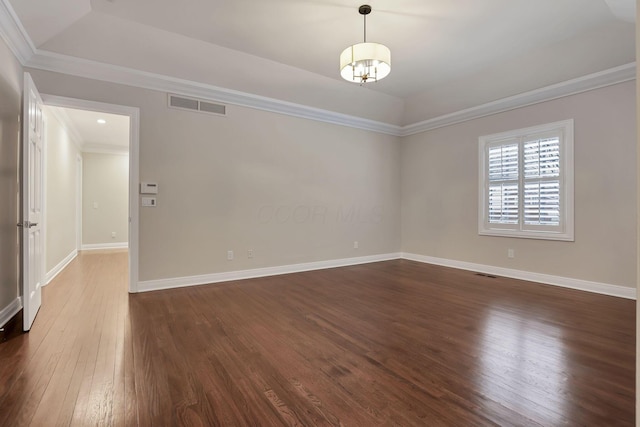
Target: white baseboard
column 98, row 246
column 61, row 265
column 180, row 282
column 565, row 282
column 9, row 311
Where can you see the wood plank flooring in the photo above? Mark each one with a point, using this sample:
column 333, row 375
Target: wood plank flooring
column 395, row 343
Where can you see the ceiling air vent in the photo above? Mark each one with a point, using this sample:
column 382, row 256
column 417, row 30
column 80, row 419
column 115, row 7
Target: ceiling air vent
column 192, row 104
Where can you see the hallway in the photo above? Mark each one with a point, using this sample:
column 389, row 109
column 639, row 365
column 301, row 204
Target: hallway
column 75, row 365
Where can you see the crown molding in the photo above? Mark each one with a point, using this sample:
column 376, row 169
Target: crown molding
column 16, row 37
column 55, row 62
column 586, row 83
column 80, row 67
column 14, row 34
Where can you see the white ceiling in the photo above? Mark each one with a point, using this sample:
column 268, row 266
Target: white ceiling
column 463, row 46
column 91, row 136
column 431, row 41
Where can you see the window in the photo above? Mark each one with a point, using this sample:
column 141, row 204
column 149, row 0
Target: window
column 526, row 183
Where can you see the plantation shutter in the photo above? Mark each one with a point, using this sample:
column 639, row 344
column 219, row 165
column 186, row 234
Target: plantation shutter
column 541, row 163
column 503, row 184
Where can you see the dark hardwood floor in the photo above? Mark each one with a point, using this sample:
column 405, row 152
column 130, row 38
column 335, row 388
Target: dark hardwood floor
column 395, row 343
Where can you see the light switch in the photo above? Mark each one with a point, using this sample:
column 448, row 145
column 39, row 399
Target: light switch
column 149, row 201
column 95, row 205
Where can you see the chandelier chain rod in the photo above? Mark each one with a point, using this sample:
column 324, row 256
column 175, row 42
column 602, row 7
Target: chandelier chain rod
column 365, row 28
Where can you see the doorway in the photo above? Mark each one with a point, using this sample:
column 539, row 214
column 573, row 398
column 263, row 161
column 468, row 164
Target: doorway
column 106, row 159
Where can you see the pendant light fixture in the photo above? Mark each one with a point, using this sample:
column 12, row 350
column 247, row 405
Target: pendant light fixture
column 365, row 62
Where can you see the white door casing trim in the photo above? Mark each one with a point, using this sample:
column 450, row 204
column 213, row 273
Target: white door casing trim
column 45, row 154
column 79, row 166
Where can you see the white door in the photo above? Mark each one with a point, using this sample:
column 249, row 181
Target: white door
column 32, row 198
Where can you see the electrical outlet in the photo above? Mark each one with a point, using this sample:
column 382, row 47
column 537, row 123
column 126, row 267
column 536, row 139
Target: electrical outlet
column 229, row 255
column 511, row 253
column 113, row 234
column 355, row 245
column 250, row 253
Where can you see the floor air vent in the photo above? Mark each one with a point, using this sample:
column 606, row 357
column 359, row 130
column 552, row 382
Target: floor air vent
column 491, row 276
column 192, row 104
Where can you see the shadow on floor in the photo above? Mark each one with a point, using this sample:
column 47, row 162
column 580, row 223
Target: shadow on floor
column 12, row 329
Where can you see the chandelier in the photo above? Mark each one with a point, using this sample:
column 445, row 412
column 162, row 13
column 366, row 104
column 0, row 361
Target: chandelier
column 364, row 62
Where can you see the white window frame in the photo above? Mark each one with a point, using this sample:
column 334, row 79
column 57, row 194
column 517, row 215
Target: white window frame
column 565, row 230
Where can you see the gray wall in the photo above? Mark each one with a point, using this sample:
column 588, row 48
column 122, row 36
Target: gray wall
column 60, row 192
column 105, row 198
column 292, row 190
column 295, row 190
column 10, row 107
column 440, row 191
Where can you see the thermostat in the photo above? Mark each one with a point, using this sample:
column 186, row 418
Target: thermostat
column 148, row 188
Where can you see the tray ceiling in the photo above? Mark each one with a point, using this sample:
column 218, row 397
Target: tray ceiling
column 449, row 54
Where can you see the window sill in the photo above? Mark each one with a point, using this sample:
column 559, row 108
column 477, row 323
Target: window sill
column 540, row 235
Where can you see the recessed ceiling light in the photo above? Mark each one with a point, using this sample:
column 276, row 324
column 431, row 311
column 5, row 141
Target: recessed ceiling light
column 102, row 121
